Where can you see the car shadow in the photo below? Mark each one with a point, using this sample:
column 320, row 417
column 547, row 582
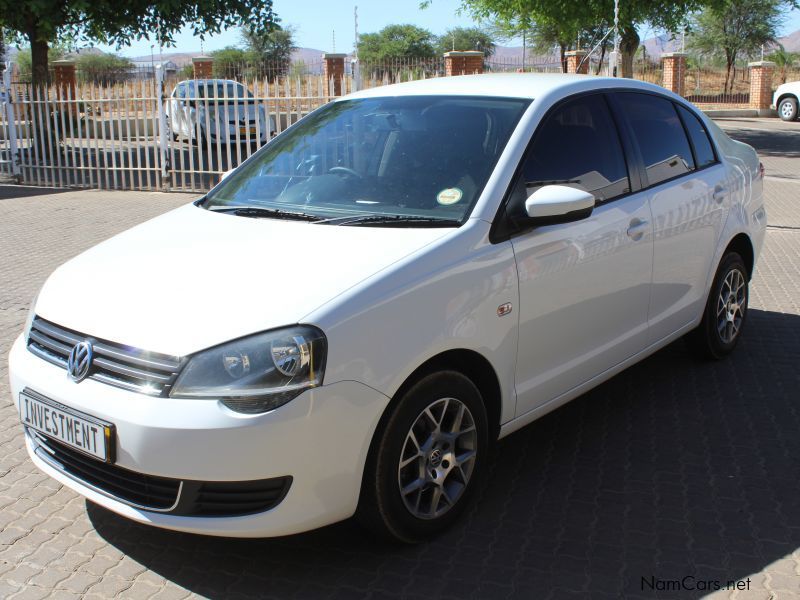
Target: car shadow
column 10, row 192
column 673, row 471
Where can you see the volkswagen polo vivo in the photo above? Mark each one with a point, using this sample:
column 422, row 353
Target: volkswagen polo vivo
column 346, row 323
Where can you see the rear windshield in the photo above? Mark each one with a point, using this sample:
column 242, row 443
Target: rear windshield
column 424, row 156
column 218, row 90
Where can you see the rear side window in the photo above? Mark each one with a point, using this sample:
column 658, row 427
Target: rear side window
column 703, row 150
column 660, row 135
column 577, row 145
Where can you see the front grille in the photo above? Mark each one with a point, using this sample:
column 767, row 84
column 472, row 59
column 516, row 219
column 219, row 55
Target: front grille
column 145, row 491
column 114, row 364
column 163, row 494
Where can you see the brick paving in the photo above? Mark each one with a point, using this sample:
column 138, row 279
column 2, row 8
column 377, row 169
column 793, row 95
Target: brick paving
column 670, row 469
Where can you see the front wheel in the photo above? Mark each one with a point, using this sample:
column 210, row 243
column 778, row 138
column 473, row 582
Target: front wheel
column 427, row 460
column 787, row 109
column 725, row 312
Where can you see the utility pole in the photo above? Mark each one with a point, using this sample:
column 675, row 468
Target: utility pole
column 613, row 60
column 355, row 64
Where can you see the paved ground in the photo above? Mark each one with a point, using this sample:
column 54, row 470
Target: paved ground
column 671, row 469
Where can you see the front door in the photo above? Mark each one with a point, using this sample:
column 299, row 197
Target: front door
column 584, row 286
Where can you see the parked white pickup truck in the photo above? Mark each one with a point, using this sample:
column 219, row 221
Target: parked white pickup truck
column 785, row 100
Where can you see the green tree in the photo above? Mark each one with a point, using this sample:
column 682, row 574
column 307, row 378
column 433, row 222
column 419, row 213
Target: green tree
column 103, row 68
column 230, row 62
column 270, row 48
column 24, row 61
column 41, row 22
column 783, row 60
column 507, row 30
column 570, row 19
column 466, row 38
column 396, row 42
column 729, row 29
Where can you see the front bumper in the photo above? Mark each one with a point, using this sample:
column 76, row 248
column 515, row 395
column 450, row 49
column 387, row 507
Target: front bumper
column 320, row 440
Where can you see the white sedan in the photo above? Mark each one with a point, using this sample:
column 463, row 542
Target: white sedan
column 406, row 275
column 217, row 111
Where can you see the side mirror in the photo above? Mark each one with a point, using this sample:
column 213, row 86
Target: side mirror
column 553, row 204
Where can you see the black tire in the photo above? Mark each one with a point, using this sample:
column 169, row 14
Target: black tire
column 787, row 109
column 382, row 508
column 714, row 339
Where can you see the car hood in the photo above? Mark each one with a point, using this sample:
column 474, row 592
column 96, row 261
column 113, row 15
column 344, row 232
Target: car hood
column 191, row 278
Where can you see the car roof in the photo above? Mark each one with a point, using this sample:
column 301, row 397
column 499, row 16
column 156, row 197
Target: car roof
column 208, row 81
column 507, row 85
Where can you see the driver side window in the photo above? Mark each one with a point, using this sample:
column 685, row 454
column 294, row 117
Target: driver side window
column 576, row 145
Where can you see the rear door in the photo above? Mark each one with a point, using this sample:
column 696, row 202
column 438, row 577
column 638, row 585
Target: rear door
column 686, row 186
column 584, row 286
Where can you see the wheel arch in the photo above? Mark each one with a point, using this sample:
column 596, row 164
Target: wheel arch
column 743, row 246
column 469, row 363
column 785, row 95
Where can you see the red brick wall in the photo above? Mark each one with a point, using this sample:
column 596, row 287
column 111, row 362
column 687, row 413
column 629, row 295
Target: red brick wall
column 761, row 84
column 463, row 63
column 674, row 72
column 577, row 62
column 203, row 67
column 333, row 66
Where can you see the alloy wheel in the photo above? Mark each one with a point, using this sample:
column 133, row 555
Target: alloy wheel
column 731, row 305
column 438, row 458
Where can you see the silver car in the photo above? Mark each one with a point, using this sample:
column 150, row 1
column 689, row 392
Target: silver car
column 218, row 111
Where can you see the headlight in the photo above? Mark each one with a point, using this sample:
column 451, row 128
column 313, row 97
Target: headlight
column 257, row 373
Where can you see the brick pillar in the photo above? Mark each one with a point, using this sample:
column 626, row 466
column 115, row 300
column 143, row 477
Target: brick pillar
column 203, row 67
column 577, row 62
column 674, row 64
column 64, row 79
column 333, row 67
column 64, row 75
column 761, row 86
column 463, row 63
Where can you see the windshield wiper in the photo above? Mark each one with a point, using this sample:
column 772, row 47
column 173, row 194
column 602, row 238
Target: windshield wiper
column 393, row 221
column 269, row 213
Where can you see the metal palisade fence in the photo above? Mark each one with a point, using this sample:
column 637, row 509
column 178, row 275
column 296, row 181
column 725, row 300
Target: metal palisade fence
column 144, row 135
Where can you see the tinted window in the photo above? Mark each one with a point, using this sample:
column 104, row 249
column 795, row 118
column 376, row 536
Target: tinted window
column 578, row 145
column 703, row 150
column 660, row 135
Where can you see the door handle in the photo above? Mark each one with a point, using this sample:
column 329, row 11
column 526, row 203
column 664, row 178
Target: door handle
column 719, row 194
column 636, row 229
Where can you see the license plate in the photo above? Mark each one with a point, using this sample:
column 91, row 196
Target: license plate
column 75, row 429
column 247, row 129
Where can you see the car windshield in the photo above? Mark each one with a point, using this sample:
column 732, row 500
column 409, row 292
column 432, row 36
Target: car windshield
column 393, row 160
column 218, row 90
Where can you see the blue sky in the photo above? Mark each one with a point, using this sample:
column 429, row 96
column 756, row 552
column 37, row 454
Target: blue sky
column 317, row 20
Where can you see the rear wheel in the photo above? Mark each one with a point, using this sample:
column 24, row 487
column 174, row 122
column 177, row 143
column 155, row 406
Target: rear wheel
column 427, row 460
column 725, row 312
column 787, row 109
